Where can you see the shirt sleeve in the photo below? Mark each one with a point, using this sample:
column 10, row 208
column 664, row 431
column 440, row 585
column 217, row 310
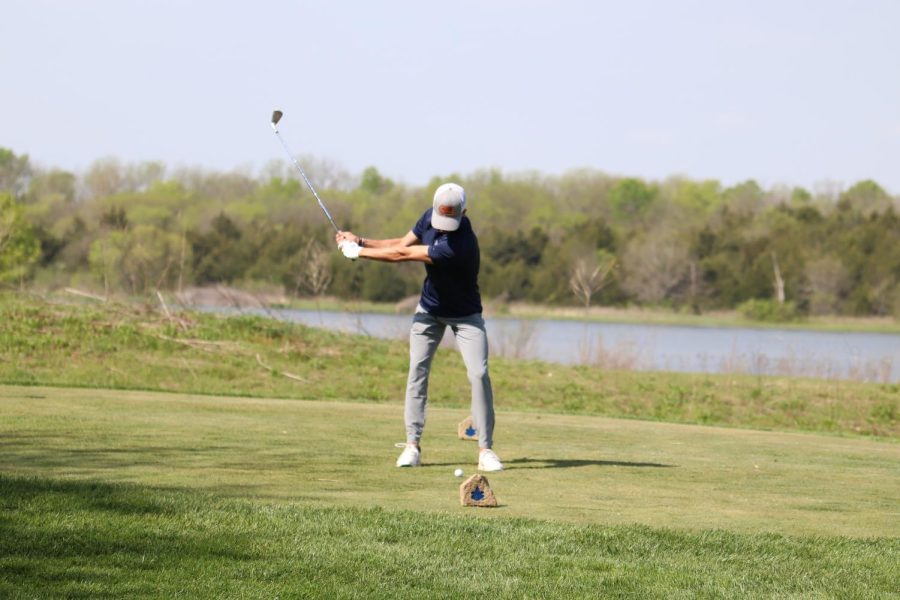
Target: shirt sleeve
column 422, row 224
column 449, row 249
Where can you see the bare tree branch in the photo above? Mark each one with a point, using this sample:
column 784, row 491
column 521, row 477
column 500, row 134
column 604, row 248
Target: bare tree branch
column 588, row 278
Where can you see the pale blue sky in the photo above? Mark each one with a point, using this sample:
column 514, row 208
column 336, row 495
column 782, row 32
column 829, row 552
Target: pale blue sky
column 781, row 91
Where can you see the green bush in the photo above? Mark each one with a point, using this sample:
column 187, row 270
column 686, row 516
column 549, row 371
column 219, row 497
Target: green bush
column 769, row 311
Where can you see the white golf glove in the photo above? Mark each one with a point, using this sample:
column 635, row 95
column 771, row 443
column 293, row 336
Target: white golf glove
column 350, row 249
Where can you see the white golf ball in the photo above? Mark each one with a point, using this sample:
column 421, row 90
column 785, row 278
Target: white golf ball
column 458, row 472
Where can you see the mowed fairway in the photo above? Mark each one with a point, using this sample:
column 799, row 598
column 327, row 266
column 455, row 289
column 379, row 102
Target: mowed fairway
column 571, row 469
column 229, row 479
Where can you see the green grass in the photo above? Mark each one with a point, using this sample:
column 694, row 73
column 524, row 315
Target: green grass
column 564, row 468
column 134, row 347
column 227, row 486
column 109, row 493
column 97, row 540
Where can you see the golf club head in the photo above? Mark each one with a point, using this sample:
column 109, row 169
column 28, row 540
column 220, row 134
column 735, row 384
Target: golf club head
column 276, row 116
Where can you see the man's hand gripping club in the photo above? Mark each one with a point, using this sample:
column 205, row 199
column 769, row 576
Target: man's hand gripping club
column 349, row 244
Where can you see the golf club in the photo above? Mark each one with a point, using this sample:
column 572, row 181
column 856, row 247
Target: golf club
column 276, row 116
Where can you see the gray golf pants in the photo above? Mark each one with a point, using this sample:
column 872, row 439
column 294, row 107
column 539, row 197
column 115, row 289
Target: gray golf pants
column 471, row 339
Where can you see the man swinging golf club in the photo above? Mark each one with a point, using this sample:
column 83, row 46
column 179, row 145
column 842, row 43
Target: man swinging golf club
column 442, row 239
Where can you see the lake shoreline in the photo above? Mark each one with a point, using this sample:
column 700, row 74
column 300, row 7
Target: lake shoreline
column 639, row 346
column 623, row 315
column 263, row 299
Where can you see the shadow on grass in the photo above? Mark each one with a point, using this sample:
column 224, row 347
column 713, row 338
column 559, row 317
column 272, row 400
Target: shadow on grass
column 69, row 537
column 556, row 463
column 40, row 451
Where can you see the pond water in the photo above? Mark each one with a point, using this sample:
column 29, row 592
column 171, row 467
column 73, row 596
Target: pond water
column 830, row 355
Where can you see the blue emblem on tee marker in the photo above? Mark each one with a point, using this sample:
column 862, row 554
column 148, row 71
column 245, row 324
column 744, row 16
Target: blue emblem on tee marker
column 471, row 431
column 477, row 494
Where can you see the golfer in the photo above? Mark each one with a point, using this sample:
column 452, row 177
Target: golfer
column 442, row 239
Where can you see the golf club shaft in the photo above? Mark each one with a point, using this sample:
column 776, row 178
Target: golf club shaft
column 305, row 178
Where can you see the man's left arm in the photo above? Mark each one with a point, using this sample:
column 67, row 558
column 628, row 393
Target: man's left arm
column 418, row 253
column 450, row 252
column 407, row 248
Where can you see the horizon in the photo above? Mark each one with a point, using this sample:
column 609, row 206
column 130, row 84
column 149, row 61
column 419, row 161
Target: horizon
column 830, row 189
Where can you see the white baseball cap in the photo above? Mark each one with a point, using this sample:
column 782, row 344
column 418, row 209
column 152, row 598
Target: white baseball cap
column 449, row 204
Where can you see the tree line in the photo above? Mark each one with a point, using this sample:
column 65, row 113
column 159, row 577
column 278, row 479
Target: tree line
column 581, row 238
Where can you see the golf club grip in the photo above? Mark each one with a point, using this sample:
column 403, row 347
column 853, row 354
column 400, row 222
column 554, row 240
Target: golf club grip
column 306, row 179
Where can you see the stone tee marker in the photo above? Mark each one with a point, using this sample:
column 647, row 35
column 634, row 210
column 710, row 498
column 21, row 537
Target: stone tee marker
column 476, row 491
column 466, row 430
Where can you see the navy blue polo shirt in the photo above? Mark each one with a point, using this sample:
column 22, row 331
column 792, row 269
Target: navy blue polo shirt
column 451, row 283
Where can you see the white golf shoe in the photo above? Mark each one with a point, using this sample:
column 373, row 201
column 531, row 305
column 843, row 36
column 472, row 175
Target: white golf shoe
column 488, row 461
column 410, row 457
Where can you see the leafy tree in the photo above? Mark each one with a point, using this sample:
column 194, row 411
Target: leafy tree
column 50, row 245
column 745, row 198
column 144, row 176
column 871, row 251
column 53, row 183
column 136, row 226
column 828, row 282
column 594, row 233
column 20, row 248
column 631, row 197
column 800, row 196
column 219, row 256
column 104, row 178
column 866, row 197
column 517, row 246
column 546, row 284
column 654, row 264
column 114, row 218
column 106, row 258
column 384, row 283
column 373, row 182
column 140, row 260
column 697, row 197
column 15, row 172
column 511, row 261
